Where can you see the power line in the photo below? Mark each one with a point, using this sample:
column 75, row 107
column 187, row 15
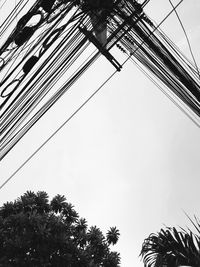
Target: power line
column 77, row 110
column 59, row 128
column 176, row 102
column 186, row 36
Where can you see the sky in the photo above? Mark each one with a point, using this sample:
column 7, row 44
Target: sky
column 129, row 158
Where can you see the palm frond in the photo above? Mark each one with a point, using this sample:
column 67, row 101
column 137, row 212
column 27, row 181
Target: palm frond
column 172, row 247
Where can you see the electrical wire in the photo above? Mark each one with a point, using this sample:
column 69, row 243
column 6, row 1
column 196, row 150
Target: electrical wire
column 150, row 51
column 156, row 57
column 51, row 79
column 186, row 36
column 13, row 114
column 173, row 99
column 66, row 121
column 34, row 99
column 58, row 129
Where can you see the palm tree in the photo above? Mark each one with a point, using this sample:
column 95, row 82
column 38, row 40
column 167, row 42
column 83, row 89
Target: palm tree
column 172, row 248
column 58, row 203
column 112, row 235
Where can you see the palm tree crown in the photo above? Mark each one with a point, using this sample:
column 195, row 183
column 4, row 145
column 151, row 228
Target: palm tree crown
column 172, row 248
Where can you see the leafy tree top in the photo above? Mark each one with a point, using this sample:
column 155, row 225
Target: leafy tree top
column 172, row 247
column 37, row 232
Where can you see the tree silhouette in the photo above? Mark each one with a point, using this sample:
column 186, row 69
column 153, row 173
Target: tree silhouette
column 172, row 248
column 35, row 232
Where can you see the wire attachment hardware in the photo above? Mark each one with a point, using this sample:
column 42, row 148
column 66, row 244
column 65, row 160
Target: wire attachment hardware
column 101, row 48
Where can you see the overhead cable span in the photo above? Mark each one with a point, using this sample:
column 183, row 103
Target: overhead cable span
column 48, row 41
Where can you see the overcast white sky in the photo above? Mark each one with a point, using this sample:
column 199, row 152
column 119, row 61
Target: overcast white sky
column 129, row 159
